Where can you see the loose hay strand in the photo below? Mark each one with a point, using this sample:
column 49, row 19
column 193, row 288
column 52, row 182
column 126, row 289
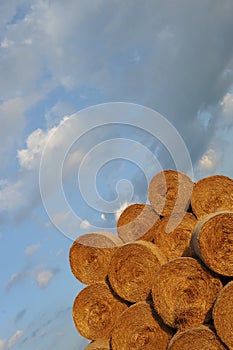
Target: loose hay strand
column 213, row 242
column 90, row 255
column 212, row 194
column 95, row 310
column 183, row 292
column 132, row 270
column 136, row 222
column 176, row 243
column 99, row 345
column 138, row 328
column 170, row 192
column 223, row 315
column 196, row 338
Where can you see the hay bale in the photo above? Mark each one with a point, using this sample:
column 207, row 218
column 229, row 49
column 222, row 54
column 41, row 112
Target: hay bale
column 196, row 338
column 176, row 243
column 137, row 222
column 184, row 292
column 138, row 328
column 132, row 269
column 213, row 242
column 212, row 194
column 223, row 315
column 95, row 310
column 170, row 192
column 99, row 345
column 90, row 255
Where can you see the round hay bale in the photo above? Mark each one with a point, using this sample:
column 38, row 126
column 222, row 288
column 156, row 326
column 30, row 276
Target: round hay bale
column 184, row 292
column 137, row 222
column 99, row 345
column 170, row 192
column 132, row 270
column 196, row 338
column 223, row 315
column 138, row 328
column 212, row 194
column 95, row 310
column 90, row 255
column 213, row 242
column 176, row 243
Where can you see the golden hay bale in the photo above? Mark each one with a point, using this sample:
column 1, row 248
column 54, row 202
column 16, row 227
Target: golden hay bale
column 196, row 338
column 99, row 345
column 90, row 255
column 132, row 269
column 95, row 310
column 212, row 194
column 223, row 315
column 213, row 242
column 170, row 192
column 176, row 243
column 139, row 328
column 184, row 292
column 137, row 222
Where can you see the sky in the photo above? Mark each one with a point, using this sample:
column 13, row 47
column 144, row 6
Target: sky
column 95, row 98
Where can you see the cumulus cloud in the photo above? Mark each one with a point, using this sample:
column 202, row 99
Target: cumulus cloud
column 32, row 249
column 44, row 277
column 85, row 224
column 210, row 161
column 120, row 210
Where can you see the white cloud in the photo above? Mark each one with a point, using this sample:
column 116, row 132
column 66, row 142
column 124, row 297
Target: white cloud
column 14, row 339
column 3, row 344
column 32, row 249
column 120, row 210
column 210, row 161
column 103, row 217
column 226, row 118
column 45, row 277
column 85, row 224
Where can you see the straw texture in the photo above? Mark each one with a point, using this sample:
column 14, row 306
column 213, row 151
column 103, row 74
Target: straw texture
column 170, row 192
column 132, row 270
column 176, row 243
column 213, row 242
column 198, row 338
column 212, row 194
column 137, row 222
column 95, row 311
column 140, row 328
column 183, row 293
column 99, row 345
column 90, row 255
column 223, row 315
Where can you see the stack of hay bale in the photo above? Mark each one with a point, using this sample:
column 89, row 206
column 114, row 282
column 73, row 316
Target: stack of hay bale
column 166, row 281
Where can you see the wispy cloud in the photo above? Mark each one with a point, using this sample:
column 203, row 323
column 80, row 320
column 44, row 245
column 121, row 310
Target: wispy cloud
column 20, row 315
column 7, row 344
column 15, row 279
column 32, row 249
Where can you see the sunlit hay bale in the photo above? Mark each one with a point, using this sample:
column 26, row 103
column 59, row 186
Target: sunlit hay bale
column 132, row 270
column 184, row 292
column 95, row 311
column 213, row 242
column 212, row 194
column 197, row 338
column 99, row 345
column 176, row 243
column 170, row 192
column 139, row 328
column 137, row 221
column 223, row 315
column 90, row 255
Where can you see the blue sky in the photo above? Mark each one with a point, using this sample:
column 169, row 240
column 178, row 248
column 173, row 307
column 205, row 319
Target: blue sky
column 59, row 57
